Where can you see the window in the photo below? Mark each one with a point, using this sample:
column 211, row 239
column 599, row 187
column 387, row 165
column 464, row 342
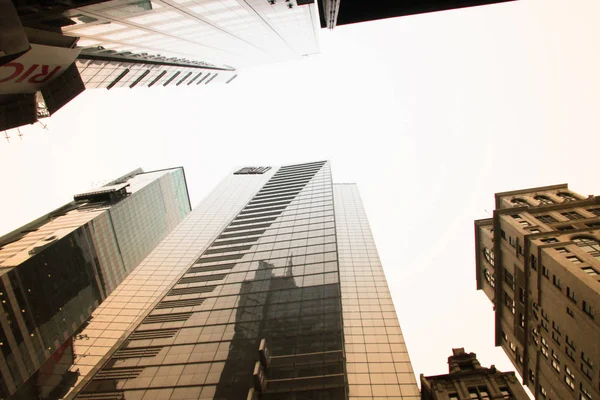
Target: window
column 574, row 259
column 587, row 371
column 544, row 348
column 572, row 215
column 175, row 75
column 509, row 302
column 570, row 312
column 512, row 346
column 504, row 336
column 543, row 391
column 518, row 202
column 519, row 358
column 593, row 224
column 590, row 271
column 453, row 396
column 545, row 272
column 587, row 308
column 521, row 221
column 571, row 294
column 585, row 394
column 511, row 241
column 489, row 277
column 544, row 199
column 479, row 393
column 556, row 327
column 589, row 245
column 521, row 320
column 503, row 234
column 566, row 196
column 565, row 228
column 569, row 378
column 545, row 325
column 586, row 359
column 533, row 262
column 595, row 211
column 534, row 230
column 547, row 219
column 570, row 353
column 570, row 342
column 489, row 255
column 550, row 240
column 509, row 279
column 562, row 250
column 556, row 337
column 505, row 392
column 556, row 281
column 521, row 295
column 555, row 361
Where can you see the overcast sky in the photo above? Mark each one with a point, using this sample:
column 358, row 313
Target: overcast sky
column 430, row 115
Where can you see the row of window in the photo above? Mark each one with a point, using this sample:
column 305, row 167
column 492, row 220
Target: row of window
column 482, row 393
column 557, row 282
column 570, row 349
column 549, row 219
column 543, row 199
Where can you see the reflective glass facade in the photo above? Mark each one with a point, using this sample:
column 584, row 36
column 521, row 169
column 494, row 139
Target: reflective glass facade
column 377, row 359
column 144, row 286
column 219, row 33
column 264, row 304
column 56, row 270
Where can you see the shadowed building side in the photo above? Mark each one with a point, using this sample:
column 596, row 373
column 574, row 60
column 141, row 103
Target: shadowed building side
column 333, row 13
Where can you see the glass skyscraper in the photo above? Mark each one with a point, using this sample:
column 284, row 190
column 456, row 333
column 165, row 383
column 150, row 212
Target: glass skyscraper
column 54, row 50
column 56, row 270
column 270, row 289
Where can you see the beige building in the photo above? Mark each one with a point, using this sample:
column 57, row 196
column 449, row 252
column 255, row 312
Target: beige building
column 538, row 261
column 468, row 380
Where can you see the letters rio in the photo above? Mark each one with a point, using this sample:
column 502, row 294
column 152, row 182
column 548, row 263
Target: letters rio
column 17, row 73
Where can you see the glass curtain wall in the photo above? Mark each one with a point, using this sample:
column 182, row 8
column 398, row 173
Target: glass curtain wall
column 377, row 359
column 257, row 315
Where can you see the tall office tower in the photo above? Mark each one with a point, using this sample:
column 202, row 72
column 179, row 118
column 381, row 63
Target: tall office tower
column 57, row 269
column 538, row 261
column 146, row 43
column 333, row 13
column 272, row 288
column 468, row 380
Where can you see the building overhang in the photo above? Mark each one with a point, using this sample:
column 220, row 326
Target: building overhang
column 342, row 12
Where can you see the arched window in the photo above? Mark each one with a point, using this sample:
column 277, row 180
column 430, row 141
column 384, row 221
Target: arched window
column 590, row 245
column 489, row 255
column 544, row 199
column 489, row 277
column 567, row 196
column 518, row 202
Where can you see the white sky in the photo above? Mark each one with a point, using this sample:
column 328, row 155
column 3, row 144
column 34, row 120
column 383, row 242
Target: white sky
column 430, row 115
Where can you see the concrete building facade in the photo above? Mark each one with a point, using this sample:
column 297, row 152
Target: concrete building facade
column 538, row 261
column 468, row 380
